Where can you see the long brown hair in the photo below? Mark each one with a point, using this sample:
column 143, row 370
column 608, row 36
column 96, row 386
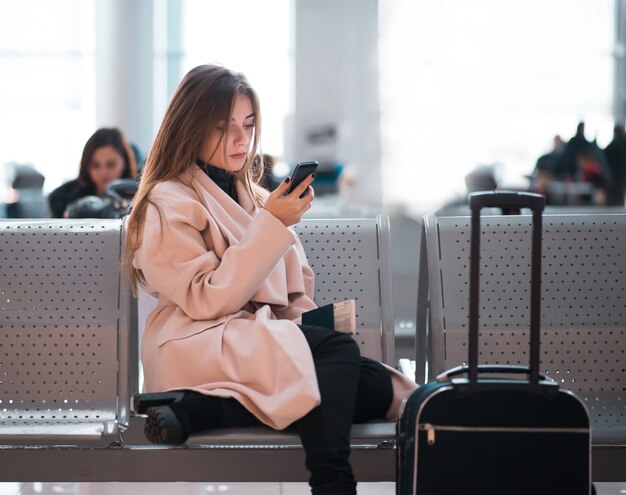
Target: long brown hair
column 106, row 137
column 205, row 96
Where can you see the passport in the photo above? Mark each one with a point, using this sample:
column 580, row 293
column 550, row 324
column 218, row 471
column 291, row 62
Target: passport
column 339, row 316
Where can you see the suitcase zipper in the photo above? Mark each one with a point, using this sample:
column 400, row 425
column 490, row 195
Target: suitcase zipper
column 430, row 430
column 430, row 433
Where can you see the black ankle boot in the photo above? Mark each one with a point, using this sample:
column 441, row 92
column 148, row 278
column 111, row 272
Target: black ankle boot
column 166, row 425
column 174, row 421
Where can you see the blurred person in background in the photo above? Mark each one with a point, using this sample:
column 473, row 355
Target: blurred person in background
column 616, row 159
column 590, row 171
column 546, row 167
column 267, row 180
column 566, row 167
column 106, row 156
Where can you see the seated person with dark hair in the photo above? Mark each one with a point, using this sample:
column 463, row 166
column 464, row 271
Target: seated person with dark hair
column 106, row 157
column 590, row 171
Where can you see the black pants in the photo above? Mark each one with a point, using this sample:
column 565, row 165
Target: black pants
column 353, row 389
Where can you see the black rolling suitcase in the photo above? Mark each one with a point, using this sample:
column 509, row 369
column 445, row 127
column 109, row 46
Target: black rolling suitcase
column 479, row 429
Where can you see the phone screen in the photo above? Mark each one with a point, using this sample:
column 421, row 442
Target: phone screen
column 301, row 172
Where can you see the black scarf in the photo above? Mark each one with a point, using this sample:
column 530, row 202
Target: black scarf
column 223, row 178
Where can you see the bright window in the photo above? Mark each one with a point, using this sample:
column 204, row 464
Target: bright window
column 251, row 37
column 487, row 82
column 47, row 85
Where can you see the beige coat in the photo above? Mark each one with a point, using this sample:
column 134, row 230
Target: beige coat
column 232, row 282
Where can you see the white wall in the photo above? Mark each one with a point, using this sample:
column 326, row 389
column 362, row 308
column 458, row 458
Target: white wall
column 336, row 86
column 124, row 68
column 335, row 80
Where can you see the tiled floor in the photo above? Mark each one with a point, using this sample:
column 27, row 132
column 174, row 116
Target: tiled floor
column 211, row 488
column 177, row 488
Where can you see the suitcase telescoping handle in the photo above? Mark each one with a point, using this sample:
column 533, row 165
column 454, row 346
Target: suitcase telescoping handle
column 515, row 200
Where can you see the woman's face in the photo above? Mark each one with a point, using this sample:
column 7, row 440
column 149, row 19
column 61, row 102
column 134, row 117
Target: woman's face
column 231, row 153
column 106, row 164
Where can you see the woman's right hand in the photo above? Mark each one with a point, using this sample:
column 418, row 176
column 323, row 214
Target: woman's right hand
column 289, row 208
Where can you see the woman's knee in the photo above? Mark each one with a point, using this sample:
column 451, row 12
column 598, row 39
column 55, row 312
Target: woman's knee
column 375, row 391
column 348, row 347
column 348, row 341
column 376, row 377
column 323, row 341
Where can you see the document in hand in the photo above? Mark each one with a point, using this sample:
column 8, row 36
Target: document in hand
column 339, row 316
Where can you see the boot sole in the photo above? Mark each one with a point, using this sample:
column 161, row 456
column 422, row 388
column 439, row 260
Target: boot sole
column 163, row 427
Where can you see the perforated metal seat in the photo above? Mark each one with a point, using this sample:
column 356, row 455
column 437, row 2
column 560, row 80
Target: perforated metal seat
column 64, row 319
column 350, row 258
column 583, row 313
column 68, row 363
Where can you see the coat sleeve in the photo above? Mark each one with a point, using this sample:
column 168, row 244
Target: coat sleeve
column 302, row 301
column 307, row 271
column 176, row 262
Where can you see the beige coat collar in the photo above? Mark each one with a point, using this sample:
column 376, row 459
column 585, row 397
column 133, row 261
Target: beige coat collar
column 232, row 220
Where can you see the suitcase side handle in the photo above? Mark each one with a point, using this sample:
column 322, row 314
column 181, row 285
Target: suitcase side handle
column 507, row 199
column 489, row 368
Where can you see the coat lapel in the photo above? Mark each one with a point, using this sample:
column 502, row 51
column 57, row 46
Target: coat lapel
column 229, row 222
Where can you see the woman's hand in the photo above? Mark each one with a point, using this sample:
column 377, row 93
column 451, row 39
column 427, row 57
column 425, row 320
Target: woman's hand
column 289, row 208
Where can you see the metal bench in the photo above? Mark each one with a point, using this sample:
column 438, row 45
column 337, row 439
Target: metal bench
column 69, row 360
column 65, row 315
column 583, row 310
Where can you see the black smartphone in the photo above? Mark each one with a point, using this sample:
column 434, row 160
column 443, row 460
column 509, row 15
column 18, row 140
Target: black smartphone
column 301, row 172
